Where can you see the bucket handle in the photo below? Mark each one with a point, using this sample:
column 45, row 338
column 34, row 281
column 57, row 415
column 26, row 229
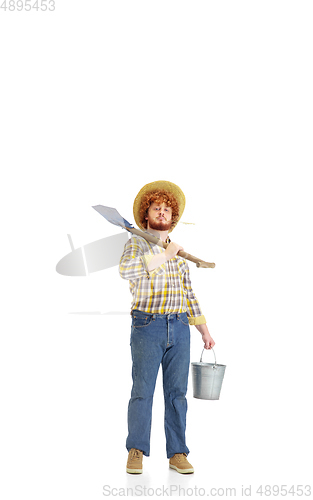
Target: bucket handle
column 214, row 356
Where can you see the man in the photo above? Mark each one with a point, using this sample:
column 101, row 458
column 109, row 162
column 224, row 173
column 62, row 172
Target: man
column 163, row 307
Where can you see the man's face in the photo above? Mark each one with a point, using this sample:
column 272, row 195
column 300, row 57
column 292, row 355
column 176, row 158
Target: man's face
column 159, row 217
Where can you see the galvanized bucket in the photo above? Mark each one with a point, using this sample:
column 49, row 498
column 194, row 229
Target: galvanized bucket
column 207, row 379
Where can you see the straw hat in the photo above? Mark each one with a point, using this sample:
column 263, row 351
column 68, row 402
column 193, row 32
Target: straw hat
column 159, row 186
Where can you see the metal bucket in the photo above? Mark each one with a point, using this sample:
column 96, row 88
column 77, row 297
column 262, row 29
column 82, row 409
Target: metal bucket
column 207, row 379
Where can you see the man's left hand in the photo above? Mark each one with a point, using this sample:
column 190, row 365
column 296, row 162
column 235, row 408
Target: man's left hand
column 206, row 337
column 208, row 341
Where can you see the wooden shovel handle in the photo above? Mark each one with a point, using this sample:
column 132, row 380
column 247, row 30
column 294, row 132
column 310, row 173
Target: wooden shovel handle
column 199, row 262
column 162, row 244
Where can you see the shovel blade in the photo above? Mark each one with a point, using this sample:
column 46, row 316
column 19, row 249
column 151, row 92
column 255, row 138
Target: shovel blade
column 112, row 215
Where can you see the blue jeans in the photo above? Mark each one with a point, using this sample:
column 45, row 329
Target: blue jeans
column 159, row 339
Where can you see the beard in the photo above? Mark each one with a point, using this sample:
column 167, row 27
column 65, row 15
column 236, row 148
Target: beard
column 159, row 225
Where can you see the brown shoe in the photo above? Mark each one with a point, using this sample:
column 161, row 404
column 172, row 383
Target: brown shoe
column 134, row 462
column 180, row 463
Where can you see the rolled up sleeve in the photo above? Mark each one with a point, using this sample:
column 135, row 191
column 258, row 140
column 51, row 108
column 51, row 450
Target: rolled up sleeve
column 194, row 313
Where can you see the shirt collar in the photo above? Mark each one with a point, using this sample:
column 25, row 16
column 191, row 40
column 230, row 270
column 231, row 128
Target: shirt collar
column 168, row 240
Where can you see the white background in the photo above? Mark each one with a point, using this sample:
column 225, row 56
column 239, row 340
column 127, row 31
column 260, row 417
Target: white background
column 97, row 99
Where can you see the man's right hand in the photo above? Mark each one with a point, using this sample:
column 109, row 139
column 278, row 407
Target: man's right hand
column 159, row 258
column 172, row 250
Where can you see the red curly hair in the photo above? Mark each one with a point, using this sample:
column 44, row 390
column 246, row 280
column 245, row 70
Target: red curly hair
column 160, row 196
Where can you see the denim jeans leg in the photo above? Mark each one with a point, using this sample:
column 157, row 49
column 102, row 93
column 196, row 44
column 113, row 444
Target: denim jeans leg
column 146, row 357
column 175, row 366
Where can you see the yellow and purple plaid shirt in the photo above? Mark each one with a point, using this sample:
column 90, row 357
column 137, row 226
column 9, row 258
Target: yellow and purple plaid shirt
column 166, row 289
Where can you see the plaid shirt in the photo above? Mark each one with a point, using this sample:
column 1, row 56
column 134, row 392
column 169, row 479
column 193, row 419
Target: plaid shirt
column 166, row 289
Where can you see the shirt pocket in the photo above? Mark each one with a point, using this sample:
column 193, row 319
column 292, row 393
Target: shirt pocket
column 158, row 284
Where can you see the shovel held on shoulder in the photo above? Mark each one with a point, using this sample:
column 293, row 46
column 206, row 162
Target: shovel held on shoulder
column 112, row 215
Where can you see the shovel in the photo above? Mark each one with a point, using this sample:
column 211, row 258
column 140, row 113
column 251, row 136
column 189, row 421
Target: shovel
column 112, row 215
